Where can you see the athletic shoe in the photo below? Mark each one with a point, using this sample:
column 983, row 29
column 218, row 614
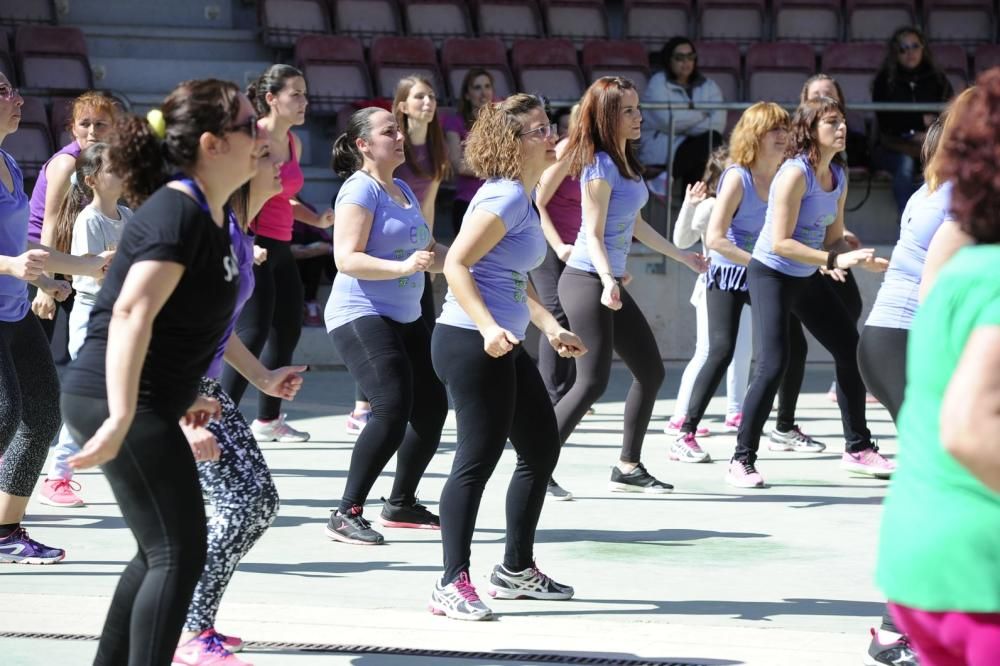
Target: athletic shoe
column 206, row 649
column 458, row 600
column 59, row 492
column 356, row 421
column 637, row 481
column 733, row 421
column 673, row 427
column 743, row 474
column 231, row 643
column 352, row 528
column 277, row 430
column 896, row 653
column 868, row 462
column 793, row 440
column 19, row 548
column 685, row 449
column 415, row 516
column 528, row 584
column 557, row 492
column 312, row 315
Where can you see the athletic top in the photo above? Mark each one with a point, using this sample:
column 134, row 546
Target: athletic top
column 817, row 211
column 396, row 233
column 93, row 233
column 502, row 274
column 275, row 219
column 419, row 184
column 627, row 199
column 41, row 187
column 243, row 250
column 939, row 539
column 13, row 242
column 170, row 227
column 565, row 209
column 465, row 186
column 746, row 225
column 898, row 297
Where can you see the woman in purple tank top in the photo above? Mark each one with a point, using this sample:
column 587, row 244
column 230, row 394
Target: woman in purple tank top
column 477, row 91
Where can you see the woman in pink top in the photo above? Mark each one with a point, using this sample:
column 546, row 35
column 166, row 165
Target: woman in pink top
column 477, row 90
column 271, row 321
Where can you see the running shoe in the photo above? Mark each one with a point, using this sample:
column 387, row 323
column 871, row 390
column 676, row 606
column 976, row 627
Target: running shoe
column 206, row 649
column 793, row 440
column 685, row 449
column 528, row 584
column 637, row 481
column 897, row 653
column 19, row 548
column 356, row 421
column 743, row 474
column 277, row 430
column 231, row 643
column 415, row 516
column 673, row 427
column 557, row 492
column 868, row 462
column 60, row 492
column 312, row 316
column 733, row 421
column 352, row 528
column 458, row 600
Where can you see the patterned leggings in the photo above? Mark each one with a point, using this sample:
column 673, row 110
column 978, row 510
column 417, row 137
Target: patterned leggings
column 245, row 500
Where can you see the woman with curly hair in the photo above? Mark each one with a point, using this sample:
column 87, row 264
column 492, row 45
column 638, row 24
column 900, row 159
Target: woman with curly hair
column 477, row 352
column 939, row 542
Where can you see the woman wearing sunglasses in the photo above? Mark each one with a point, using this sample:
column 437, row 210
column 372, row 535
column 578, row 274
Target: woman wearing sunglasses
column 908, row 74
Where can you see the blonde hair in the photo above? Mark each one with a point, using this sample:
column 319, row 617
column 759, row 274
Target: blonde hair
column 756, row 121
column 493, row 147
column 933, row 166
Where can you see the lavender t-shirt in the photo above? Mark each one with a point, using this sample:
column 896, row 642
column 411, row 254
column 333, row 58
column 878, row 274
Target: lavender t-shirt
column 396, row 233
column 502, row 274
column 41, row 187
column 817, row 212
column 627, row 199
column 243, row 250
column 13, row 242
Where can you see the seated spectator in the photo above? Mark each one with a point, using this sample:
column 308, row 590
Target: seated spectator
column 312, row 248
column 908, row 74
column 680, row 82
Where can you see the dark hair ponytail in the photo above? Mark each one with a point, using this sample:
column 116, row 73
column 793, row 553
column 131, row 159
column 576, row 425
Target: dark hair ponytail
column 346, row 156
column 145, row 156
column 272, row 81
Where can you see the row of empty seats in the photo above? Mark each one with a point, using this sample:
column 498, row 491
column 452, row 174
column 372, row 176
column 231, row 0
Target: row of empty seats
column 41, row 132
column 652, row 22
column 47, row 57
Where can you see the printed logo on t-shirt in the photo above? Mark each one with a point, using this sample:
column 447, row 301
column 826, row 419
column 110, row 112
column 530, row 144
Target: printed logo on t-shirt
column 420, row 235
column 406, row 282
column 520, row 286
column 230, row 265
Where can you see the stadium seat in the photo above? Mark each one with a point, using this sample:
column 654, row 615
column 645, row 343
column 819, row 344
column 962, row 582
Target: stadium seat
column 775, row 71
column 335, row 70
column 874, row 20
column 31, row 144
column 812, row 21
column 19, row 12
column 6, row 60
column 954, row 61
column 60, row 117
column 720, row 61
column 460, row 54
column 733, row 20
column 616, row 58
column 508, row 19
column 282, row 22
column 52, row 57
column 963, row 21
column 653, row 22
column 393, row 58
column 436, row 19
column 548, row 66
column 985, row 57
column 366, row 19
column 577, row 20
column 854, row 65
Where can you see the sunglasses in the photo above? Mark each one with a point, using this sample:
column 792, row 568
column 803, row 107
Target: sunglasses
column 248, row 126
column 545, row 131
column 909, row 46
column 684, row 57
column 8, row 93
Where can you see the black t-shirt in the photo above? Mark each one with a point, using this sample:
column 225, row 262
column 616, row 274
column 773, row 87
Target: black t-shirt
column 173, row 227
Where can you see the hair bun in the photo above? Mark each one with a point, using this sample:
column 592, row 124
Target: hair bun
column 157, row 123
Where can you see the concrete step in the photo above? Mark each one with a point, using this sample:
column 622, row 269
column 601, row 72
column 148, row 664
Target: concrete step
column 117, row 41
column 158, row 75
column 175, row 13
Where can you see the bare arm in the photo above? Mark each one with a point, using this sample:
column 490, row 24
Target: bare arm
column 563, row 341
column 727, row 203
column 282, row 383
column 649, row 237
column 427, row 206
column 350, row 237
column 970, row 410
column 947, row 240
column 57, row 176
column 550, row 181
column 59, row 262
column 456, row 155
column 481, row 231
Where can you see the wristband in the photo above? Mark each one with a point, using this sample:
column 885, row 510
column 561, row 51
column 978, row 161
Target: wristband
column 831, row 260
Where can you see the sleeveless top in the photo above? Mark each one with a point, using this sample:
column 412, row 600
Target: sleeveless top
column 565, row 209
column 37, row 205
column 748, row 220
column 275, row 219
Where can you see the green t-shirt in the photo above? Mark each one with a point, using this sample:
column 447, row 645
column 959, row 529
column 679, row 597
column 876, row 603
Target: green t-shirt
column 940, row 541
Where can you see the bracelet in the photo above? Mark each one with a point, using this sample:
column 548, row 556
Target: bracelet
column 831, row 260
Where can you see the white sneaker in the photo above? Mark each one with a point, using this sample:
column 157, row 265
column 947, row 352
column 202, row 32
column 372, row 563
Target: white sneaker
column 277, row 431
column 528, row 584
column 793, row 440
column 557, row 492
column 685, row 449
column 459, row 600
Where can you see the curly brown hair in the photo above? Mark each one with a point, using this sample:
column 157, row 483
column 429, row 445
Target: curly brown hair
column 802, row 130
column 493, row 147
column 969, row 156
column 599, row 129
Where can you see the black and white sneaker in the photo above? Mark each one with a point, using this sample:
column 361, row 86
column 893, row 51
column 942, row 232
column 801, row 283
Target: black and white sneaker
column 528, row 584
column 458, row 600
column 895, row 653
column 414, row 516
column 637, row 481
column 557, row 492
column 351, row 527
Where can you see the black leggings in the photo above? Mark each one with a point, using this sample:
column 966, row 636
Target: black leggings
column 882, row 359
column 428, row 308
column 311, row 271
column 605, row 331
column 391, row 362
column 724, row 310
column 494, row 398
column 557, row 372
column 776, row 296
column 271, row 321
column 155, row 483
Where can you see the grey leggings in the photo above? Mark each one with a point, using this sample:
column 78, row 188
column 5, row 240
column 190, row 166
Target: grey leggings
column 29, row 404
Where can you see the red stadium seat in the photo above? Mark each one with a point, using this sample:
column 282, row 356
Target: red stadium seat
column 393, row 58
column 31, row 144
column 813, row 21
column 460, row 54
column 335, row 70
column 775, row 72
column 653, row 22
column 962, row 21
column 986, row 57
column 284, row 21
column 953, row 60
column 6, row 60
column 436, row 19
column 854, row 66
column 874, row 20
column 52, row 57
column 508, row 19
column 733, row 20
column 549, row 67
column 578, row 20
column 616, row 58
column 60, row 118
column 19, row 12
column 366, row 19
